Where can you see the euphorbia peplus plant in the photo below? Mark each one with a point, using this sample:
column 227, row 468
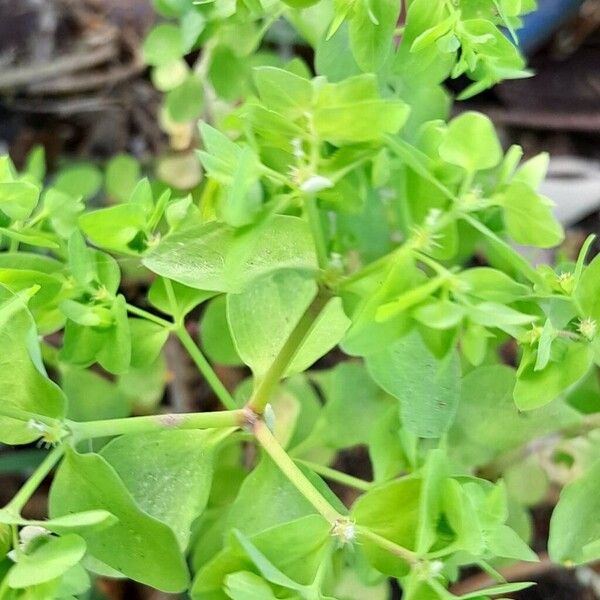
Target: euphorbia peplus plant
column 336, row 210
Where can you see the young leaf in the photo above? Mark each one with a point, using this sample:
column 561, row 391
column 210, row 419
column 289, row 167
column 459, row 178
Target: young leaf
column 471, row 143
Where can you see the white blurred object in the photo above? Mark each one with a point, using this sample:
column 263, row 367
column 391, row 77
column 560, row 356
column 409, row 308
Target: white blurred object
column 574, row 186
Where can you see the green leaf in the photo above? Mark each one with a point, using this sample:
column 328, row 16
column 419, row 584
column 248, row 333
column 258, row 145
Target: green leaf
column 537, row 388
column 493, row 314
column 428, row 388
column 493, row 285
column 505, row 542
column 138, row 545
column 35, row 165
column 18, row 199
column 91, row 396
column 144, row 387
column 63, row 211
column 158, row 468
column 257, row 509
column 502, row 588
column 354, row 404
column 215, row 335
column 163, row 45
column 116, row 227
column 31, row 237
column 471, row 143
column 533, row 171
column 587, row 292
column 295, row 548
column 49, row 560
column 242, row 200
column 147, row 341
column 114, row 353
column 267, row 569
column 24, row 384
column 211, row 256
column 245, row 585
column 441, row 314
column 122, row 175
column 529, row 218
column 574, row 526
column 488, row 423
column 352, row 111
column 262, row 318
column 372, row 28
column 79, row 180
column 333, row 56
column 66, row 524
column 392, row 511
column 185, row 102
column 283, row 91
column 221, row 156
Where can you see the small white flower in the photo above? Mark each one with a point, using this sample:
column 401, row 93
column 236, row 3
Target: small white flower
column 315, row 184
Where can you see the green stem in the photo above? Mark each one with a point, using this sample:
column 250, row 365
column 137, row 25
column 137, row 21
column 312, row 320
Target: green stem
column 314, row 220
column 112, row 427
column 22, row 496
column 335, row 475
column 289, row 468
column 204, row 367
column 404, row 553
column 263, row 391
column 144, row 314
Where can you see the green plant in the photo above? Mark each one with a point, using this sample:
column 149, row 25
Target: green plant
column 337, row 210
